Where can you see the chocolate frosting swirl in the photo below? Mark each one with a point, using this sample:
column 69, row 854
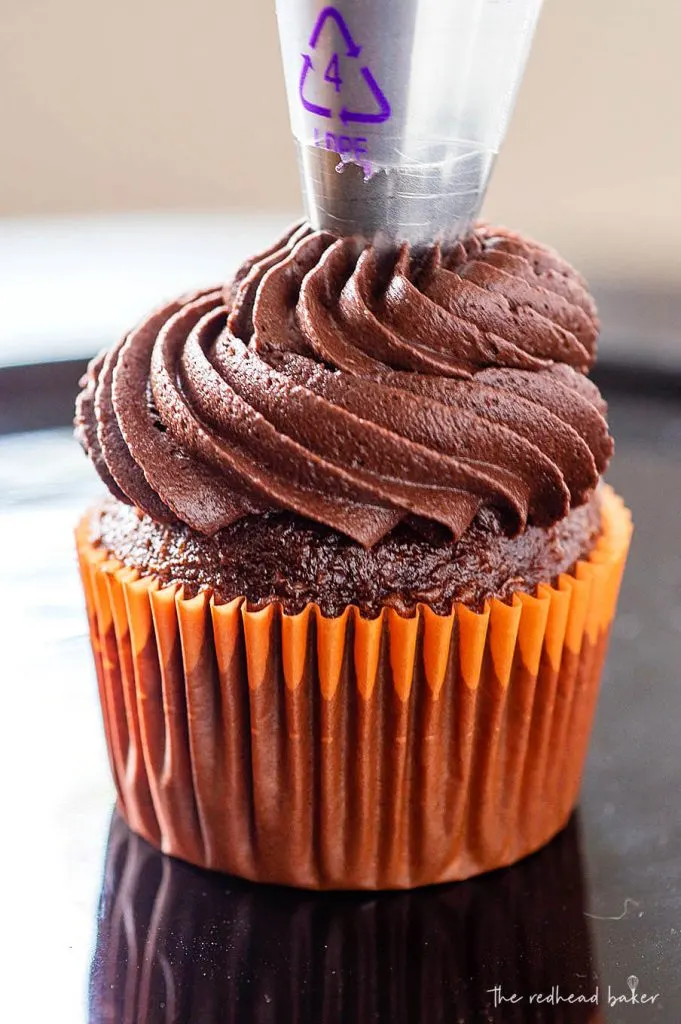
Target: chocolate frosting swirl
column 358, row 388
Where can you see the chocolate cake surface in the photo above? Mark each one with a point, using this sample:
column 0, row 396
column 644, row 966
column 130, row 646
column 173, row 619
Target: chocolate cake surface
column 278, row 557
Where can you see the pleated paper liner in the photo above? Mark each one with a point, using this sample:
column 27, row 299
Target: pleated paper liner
column 346, row 752
column 179, row 945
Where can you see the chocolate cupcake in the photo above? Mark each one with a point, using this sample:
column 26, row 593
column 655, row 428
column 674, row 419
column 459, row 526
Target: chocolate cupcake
column 350, row 597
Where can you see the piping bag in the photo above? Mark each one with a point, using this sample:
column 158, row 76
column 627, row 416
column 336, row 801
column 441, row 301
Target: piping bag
column 399, row 107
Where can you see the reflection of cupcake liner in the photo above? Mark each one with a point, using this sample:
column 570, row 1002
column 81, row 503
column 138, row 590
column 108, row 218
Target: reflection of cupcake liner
column 345, row 752
column 176, row 944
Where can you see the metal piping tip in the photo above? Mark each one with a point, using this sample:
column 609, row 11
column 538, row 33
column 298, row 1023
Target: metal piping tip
column 399, row 107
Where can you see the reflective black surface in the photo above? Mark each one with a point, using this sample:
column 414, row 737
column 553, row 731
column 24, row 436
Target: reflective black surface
column 212, row 949
column 178, row 944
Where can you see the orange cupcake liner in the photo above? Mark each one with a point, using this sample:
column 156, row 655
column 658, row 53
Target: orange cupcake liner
column 336, row 753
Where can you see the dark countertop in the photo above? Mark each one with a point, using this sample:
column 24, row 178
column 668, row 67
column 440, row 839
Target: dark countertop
column 598, row 911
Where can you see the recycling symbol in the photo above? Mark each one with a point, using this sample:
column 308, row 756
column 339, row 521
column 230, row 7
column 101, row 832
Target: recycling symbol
column 332, row 75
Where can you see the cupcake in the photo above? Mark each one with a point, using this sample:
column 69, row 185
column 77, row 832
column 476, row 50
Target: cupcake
column 351, row 591
column 177, row 944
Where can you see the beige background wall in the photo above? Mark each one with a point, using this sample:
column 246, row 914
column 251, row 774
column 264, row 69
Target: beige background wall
column 139, row 104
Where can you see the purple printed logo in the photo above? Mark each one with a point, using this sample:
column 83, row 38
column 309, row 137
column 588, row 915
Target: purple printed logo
column 332, row 75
